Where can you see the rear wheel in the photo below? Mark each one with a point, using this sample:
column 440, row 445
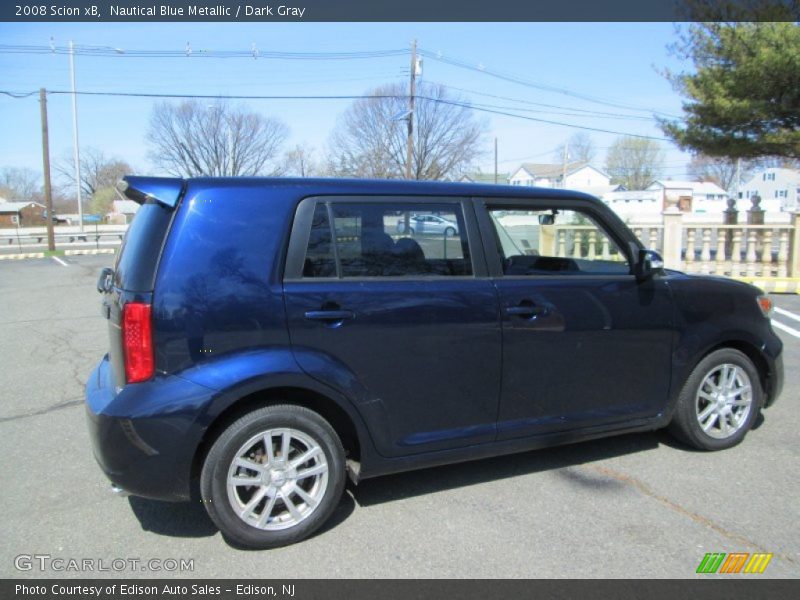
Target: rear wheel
column 273, row 477
column 719, row 401
column 449, row 232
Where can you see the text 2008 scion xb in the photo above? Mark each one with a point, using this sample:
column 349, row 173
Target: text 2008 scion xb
column 269, row 338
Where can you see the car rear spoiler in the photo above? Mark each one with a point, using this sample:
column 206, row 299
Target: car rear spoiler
column 164, row 190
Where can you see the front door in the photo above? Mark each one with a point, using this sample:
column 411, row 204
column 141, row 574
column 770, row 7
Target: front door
column 399, row 323
column 584, row 343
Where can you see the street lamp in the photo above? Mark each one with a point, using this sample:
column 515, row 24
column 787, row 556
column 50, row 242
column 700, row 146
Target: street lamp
column 76, row 153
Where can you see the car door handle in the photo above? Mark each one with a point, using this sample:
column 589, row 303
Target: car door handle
column 329, row 315
column 525, row 310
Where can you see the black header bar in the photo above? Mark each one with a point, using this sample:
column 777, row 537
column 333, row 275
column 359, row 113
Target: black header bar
column 266, row 11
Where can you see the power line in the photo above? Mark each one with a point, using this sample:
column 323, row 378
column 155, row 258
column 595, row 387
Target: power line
column 343, row 97
column 189, row 52
column 510, row 77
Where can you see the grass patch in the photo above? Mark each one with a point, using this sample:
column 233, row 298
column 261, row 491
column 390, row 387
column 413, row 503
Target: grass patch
column 49, row 253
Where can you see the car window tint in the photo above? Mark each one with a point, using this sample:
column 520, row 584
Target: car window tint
column 400, row 240
column 555, row 242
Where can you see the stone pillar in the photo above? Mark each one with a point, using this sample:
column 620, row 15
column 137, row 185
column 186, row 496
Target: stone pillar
column 673, row 237
column 547, row 240
column 794, row 248
column 755, row 216
column 730, row 216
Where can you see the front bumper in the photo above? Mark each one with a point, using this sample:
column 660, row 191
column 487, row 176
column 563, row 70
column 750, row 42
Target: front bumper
column 145, row 435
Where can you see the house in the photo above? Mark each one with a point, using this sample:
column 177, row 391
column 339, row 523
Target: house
column 21, row 214
column 779, row 190
column 122, row 211
column 634, row 204
column 579, row 176
column 691, row 196
column 502, row 178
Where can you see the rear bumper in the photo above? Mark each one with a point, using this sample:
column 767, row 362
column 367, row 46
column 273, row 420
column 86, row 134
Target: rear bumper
column 144, row 436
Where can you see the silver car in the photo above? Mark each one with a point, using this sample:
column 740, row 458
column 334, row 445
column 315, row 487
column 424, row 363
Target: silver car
column 428, row 225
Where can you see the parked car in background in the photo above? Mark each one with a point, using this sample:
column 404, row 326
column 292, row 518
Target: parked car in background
column 269, row 338
column 428, row 225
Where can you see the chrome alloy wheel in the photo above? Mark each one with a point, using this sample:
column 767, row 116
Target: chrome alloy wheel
column 724, row 401
column 277, row 479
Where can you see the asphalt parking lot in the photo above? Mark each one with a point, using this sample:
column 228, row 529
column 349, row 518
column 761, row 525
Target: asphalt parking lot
column 632, row 506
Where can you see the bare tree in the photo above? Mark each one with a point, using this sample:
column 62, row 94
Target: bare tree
column 721, row 171
column 98, row 171
column 634, row 162
column 580, row 148
column 299, row 162
column 194, row 139
column 370, row 139
column 20, row 184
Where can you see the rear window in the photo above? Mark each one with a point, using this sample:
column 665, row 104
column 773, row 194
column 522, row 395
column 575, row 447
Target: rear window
column 135, row 270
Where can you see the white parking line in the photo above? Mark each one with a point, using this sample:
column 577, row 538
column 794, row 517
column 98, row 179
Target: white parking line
column 786, row 328
column 59, row 261
column 786, row 313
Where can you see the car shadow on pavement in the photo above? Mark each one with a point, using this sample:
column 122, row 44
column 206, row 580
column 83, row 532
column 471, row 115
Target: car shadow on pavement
column 190, row 519
column 178, row 519
column 437, row 479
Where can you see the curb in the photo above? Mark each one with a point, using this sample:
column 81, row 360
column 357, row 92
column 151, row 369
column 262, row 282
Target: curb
column 88, row 251
column 783, row 285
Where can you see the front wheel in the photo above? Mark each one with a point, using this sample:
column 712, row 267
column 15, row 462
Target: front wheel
column 449, row 232
column 273, row 477
column 719, row 402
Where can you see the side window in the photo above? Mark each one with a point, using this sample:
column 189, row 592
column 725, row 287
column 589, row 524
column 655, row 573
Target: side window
column 555, row 242
column 388, row 240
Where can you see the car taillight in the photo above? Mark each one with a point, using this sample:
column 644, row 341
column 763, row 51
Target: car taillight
column 765, row 304
column 137, row 342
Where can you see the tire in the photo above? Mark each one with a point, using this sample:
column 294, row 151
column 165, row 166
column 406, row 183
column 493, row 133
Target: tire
column 719, row 402
column 411, row 231
column 449, row 232
column 275, row 489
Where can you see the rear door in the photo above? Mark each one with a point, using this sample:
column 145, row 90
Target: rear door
column 584, row 343
column 412, row 322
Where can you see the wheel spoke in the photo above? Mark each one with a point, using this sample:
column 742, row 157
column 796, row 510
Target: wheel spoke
column 710, row 422
column 740, row 402
column 724, row 427
column 706, row 396
column 263, row 520
column 238, row 480
column 318, row 469
column 706, row 412
column 250, row 506
column 290, row 506
column 305, row 457
column 269, row 448
column 246, row 463
column 311, row 502
column 286, row 446
column 741, row 390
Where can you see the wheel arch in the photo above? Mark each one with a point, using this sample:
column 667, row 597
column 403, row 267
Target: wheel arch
column 343, row 423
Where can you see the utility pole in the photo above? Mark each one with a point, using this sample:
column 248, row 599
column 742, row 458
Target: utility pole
column 48, row 194
column 564, row 173
column 76, row 153
column 495, row 161
column 412, row 90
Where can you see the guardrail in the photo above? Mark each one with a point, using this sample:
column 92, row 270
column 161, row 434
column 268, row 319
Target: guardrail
column 38, row 235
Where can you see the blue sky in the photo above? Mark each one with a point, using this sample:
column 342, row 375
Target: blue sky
column 617, row 62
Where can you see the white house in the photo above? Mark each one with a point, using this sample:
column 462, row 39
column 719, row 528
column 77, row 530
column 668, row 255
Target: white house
column 122, row 211
column 779, row 190
column 635, row 204
column 580, row 176
column 692, row 196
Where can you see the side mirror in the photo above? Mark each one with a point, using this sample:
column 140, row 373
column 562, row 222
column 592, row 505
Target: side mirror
column 547, row 219
column 649, row 262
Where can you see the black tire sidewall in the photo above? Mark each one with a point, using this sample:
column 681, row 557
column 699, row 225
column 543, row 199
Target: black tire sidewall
column 686, row 419
column 213, row 482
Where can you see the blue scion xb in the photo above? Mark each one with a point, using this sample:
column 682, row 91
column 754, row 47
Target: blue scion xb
column 271, row 337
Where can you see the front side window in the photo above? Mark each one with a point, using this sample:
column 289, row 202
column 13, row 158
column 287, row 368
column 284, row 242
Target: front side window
column 387, row 240
column 555, row 242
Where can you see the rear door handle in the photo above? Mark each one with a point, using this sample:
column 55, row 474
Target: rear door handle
column 329, row 315
column 525, row 310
